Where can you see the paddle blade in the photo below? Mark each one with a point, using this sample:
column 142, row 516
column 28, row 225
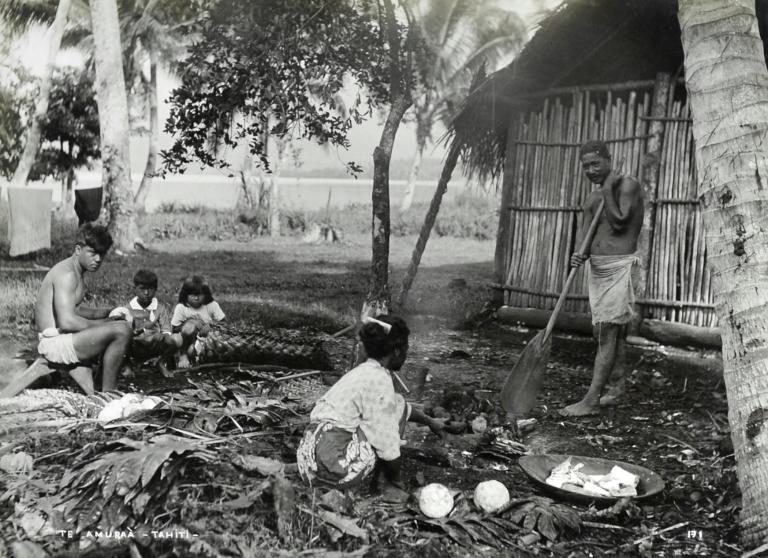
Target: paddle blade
column 524, row 381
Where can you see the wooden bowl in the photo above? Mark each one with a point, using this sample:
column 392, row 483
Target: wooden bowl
column 539, row 467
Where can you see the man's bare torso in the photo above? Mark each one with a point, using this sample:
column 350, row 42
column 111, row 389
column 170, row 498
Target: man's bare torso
column 609, row 242
column 45, row 313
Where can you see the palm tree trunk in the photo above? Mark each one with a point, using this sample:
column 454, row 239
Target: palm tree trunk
column 41, row 109
column 140, row 200
column 113, row 124
column 410, row 187
column 728, row 90
column 429, row 222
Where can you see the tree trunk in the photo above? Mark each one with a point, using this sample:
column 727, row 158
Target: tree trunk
column 274, row 189
column 246, row 200
column 429, row 222
column 378, row 298
column 413, row 176
column 113, row 124
column 728, row 90
column 140, row 201
column 41, row 109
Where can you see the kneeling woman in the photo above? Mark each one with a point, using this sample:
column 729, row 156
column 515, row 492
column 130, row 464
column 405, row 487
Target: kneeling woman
column 359, row 422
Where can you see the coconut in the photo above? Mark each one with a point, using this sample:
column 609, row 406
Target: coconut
column 435, row 501
column 16, row 463
column 479, row 424
column 491, row 495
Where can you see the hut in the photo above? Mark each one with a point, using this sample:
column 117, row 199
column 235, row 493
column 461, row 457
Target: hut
column 595, row 69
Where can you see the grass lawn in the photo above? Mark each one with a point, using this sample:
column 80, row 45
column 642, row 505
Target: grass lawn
column 279, row 282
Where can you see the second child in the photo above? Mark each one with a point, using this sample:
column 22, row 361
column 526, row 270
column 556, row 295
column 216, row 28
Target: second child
column 151, row 324
column 193, row 316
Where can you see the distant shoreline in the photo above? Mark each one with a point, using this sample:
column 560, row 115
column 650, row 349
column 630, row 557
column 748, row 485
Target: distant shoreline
column 222, row 192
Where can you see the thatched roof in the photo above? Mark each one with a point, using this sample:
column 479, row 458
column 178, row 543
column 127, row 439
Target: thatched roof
column 583, row 42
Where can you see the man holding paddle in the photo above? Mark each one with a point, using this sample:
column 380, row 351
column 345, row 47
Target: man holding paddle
column 611, row 256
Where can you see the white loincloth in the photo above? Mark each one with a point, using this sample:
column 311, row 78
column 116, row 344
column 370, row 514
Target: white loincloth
column 57, row 347
column 611, row 294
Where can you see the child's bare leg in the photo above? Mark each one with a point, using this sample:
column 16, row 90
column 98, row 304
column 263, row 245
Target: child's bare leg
column 188, row 336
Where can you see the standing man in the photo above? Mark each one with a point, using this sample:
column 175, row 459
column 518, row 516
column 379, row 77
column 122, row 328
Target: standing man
column 611, row 256
column 71, row 334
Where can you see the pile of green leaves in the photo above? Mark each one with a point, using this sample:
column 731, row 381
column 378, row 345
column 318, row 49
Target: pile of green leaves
column 126, row 482
column 211, row 407
column 534, row 515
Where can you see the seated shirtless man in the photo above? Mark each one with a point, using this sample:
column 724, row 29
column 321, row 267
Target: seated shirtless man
column 611, row 257
column 71, row 334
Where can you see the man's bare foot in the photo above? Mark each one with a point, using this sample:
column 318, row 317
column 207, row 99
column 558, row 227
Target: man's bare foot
column 614, row 393
column 183, row 361
column 580, row 409
column 164, row 370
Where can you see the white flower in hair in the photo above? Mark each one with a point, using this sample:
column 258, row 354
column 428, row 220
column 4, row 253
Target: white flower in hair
column 368, row 320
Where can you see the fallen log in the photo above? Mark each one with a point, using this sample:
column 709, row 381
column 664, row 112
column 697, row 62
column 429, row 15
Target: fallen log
column 681, row 335
column 661, row 331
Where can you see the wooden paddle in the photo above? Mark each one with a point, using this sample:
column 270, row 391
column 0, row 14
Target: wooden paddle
column 524, row 381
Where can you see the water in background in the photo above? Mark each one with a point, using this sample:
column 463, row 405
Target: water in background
column 298, row 193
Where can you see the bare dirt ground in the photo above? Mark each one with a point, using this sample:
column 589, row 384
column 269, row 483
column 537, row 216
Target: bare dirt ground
column 673, row 420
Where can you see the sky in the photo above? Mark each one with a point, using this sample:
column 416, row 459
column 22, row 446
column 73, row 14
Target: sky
column 363, row 138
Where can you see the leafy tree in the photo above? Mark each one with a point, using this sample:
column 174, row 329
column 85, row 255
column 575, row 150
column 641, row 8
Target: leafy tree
column 273, row 64
column 32, row 140
column 281, row 66
column 16, row 108
column 70, row 136
column 70, row 128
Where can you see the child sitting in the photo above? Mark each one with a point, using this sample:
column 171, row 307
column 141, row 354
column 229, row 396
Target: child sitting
column 151, row 324
column 193, row 316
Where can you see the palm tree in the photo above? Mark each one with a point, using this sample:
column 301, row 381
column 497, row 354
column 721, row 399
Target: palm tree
column 458, row 37
column 727, row 83
column 153, row 32
column 113, row 123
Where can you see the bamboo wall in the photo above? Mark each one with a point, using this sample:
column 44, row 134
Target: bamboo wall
column 547, row 187
column 678, row 270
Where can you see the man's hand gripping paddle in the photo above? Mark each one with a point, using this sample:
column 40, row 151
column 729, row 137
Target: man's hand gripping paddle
column 524, row 381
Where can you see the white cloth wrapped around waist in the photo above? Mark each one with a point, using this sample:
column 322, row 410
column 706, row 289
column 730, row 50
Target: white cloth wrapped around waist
column 611, row 294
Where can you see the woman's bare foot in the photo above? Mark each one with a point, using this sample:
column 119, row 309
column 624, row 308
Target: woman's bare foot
column 184, row 360
column 580, row 409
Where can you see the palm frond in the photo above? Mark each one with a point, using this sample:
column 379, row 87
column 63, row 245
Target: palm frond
column 126, row 482
column 19, row 15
